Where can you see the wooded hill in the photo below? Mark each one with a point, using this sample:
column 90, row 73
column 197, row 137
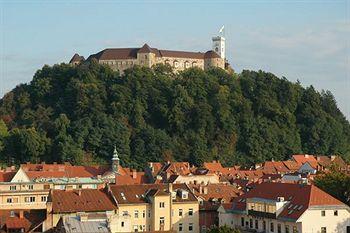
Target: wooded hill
column 78, row 114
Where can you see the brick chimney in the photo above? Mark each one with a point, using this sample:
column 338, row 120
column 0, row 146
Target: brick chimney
column 21, row 214
column 134, row 174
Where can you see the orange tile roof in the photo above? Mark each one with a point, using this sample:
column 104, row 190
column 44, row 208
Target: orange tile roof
column 224, row 192
column 301, row 159
column 30, row 219
column 6, row 176
column 291, row 165
column 85, row 200
column 299, row 196
column 62, row 170
column 128, row 194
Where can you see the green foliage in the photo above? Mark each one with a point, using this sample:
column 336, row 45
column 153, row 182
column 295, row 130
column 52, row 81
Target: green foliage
column 336, row 183
column 79, row 114
column 224, row 229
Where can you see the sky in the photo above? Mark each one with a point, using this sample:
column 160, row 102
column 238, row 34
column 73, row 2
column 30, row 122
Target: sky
column 305, row 40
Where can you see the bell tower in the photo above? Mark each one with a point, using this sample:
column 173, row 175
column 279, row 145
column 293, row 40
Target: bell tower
column 219, row 43
column 219, row 46
column 115, row 161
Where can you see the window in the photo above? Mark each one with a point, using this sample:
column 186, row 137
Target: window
column 136, row 214
column 122, row 224
column 323, row 230
column 161, row 205
column 136, row 228
column 348, row 229
column 272, row 227
column 29, row 199
column 251, row 223
column 43, row 198
column 176, row 64
column 149, row 213
column 143, row 213
column 9, row 200
column 13, row 187
column 30, row 187
column 242, row 221
column 335, row 212
column 256, row 224
column 125, row 213
column 46, row 186
column 323, row 213
column 180, row 212
column 190, row 227
column 287, row 229
column 279, row 229
column 264, row 225
column 190, row 212
column 180, row 227
column 295, row 230
column 161, row 221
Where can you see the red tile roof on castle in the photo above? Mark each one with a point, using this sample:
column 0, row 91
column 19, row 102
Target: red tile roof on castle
column 302, row 196
column 131, row 53
column 84, row 200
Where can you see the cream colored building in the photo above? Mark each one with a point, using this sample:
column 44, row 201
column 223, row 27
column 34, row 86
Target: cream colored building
column 155, row 207
column 124, row 58
column 287, row 208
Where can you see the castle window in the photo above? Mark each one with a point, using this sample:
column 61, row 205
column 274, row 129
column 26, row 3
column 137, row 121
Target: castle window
column 187, row 64
column 194, row 64
column 176, row 64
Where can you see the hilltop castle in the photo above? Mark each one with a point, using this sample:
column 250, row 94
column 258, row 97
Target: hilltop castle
column 123, row 58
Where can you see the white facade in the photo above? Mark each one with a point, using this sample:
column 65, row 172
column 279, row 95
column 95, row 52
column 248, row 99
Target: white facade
column 219, row 46
column 336, row 220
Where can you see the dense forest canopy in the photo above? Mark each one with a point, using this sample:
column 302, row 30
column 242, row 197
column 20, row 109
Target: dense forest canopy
column 79, row 114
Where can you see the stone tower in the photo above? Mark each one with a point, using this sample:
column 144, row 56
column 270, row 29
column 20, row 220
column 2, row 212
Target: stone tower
column 219, row 45
column 115, row 161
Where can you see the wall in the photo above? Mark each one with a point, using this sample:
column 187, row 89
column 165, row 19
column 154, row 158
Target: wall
column 312, row 221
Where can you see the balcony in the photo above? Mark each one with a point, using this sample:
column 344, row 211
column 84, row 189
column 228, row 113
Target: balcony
column 261, row 214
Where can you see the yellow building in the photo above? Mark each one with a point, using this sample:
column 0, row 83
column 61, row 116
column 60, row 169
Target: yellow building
column 124, row 58
column 155, row 207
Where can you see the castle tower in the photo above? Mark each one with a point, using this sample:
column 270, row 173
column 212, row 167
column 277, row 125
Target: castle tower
column 219, row 43
column 115, row 161
column 146, row 56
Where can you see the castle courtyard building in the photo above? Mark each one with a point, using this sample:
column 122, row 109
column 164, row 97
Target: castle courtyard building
column 120, row 59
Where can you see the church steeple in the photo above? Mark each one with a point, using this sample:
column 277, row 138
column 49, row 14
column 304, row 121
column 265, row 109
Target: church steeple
column 115, row 161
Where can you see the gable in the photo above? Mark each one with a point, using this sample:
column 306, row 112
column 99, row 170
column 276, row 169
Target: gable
column 20, row 176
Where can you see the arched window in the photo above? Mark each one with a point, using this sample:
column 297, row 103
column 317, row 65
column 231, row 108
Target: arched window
column 187, row 64
column 167, row 62
column 176, row 64
column 194, row 64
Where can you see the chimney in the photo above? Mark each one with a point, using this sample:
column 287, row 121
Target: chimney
column 134, row 173
column 318, row 158
column 306, row 156
column 21, row 214
column 55, row 163
column 43, row 162
column 79, row 192
column 333, row 157
column 170, row 187
column 28, row 163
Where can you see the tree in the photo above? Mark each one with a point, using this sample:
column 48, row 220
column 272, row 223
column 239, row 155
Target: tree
column 336, row 183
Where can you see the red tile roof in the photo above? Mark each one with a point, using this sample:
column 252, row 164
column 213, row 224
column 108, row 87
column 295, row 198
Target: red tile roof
column 300, row 197
column 301, row 159
column 128, row 194
column 62, row 170
column 6, row 176
column 29, row 219
column 224, row 192
column 85, row 200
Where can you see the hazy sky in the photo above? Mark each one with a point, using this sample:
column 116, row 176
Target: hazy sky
column 305, row 40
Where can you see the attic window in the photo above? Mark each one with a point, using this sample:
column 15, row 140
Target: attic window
column 300, row 207
column 123, row 196
column 290, row 212
column 290, row 206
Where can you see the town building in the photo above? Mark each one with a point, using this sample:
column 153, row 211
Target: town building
column 155, row 207
column 286, row 208
column 121, row 59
